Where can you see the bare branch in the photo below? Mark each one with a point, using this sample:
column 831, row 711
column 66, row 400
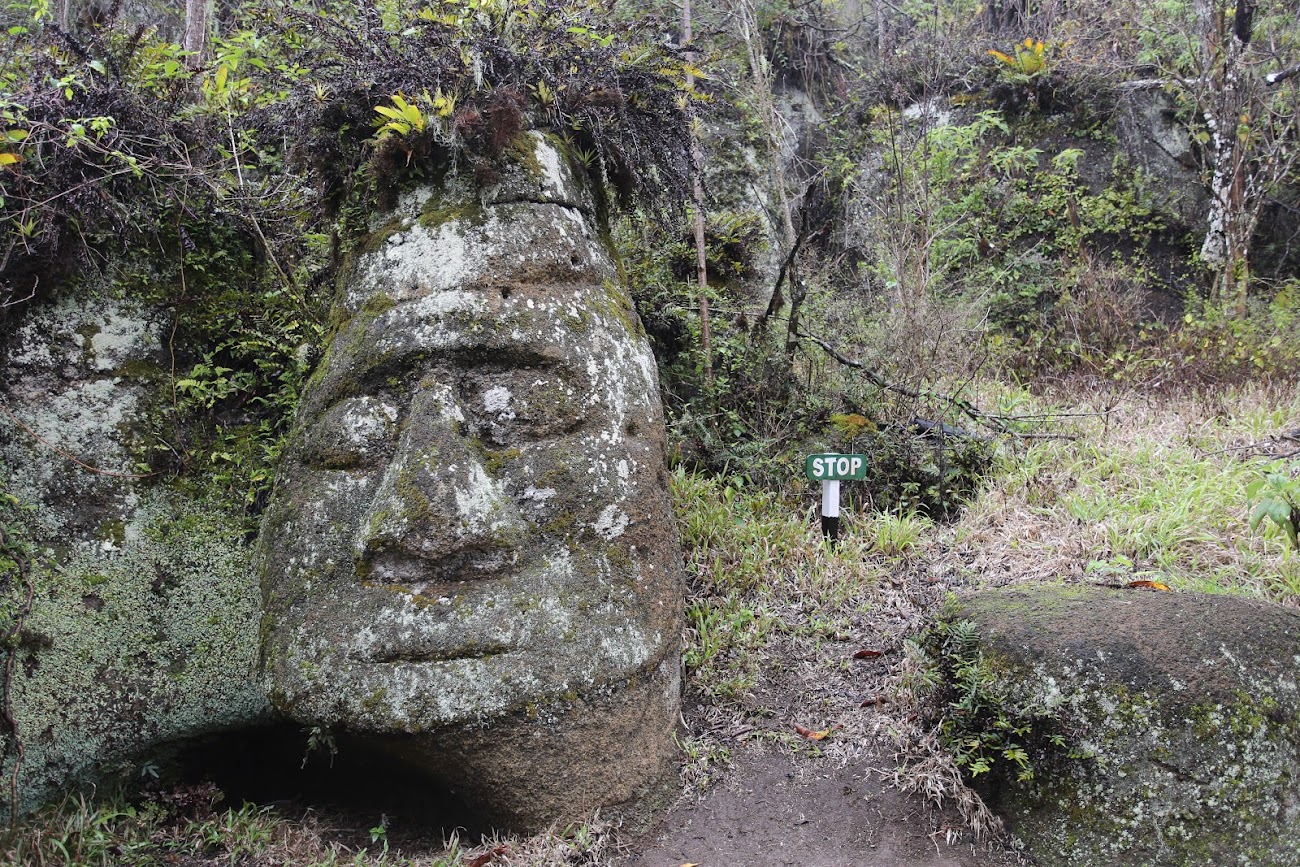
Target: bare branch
column 1278, row 77
column 990, row 420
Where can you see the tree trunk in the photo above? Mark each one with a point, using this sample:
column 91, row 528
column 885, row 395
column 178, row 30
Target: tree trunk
column 747, row 21
column 195, row 40
column 1226, row 246
column 701, row 259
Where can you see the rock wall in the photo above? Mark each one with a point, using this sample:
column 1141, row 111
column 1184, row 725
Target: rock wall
column 143, row 627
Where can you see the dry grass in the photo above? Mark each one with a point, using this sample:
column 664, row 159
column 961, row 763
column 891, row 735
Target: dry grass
column 1153, row 488
column 79, row 833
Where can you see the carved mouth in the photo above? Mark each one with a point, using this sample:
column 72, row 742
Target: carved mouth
column 473, row 650
column 396, row 566
column 435, row 588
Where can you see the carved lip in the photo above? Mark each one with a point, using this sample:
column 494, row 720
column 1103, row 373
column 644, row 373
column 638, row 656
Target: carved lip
column 434, row 587
column 398, row 566
column 471, row 650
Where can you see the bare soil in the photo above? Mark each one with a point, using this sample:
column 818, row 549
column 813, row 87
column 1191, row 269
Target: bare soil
column 810, row 776
column 774, row 809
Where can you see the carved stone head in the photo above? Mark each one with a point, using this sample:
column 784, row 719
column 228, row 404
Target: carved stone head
column 470, row 555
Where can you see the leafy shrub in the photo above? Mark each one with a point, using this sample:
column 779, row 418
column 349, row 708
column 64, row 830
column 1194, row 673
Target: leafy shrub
column 1277, row 497
column 1215, row 344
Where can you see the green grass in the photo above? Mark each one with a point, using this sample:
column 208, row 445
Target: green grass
column 1156, row 491
column 78, row 833
column 758, row 568
column 179, row 826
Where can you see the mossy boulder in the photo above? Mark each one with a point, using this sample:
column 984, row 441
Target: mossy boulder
column 1187, row 704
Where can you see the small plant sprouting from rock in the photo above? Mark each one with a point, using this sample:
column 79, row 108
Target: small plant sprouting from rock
column 320, row 739
column 980, row 722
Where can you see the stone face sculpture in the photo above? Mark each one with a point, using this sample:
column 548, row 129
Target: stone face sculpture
column 470, row 557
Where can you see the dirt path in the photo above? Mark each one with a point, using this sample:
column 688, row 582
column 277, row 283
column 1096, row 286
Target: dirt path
column 772, row 810
column 775, row 797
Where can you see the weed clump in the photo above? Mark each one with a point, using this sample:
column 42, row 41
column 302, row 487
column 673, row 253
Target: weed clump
column 980, row 718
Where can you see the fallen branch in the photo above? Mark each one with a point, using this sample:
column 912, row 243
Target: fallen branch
column 777, row 300
column 68, row 455
column 1278, row 77
column 990, row 420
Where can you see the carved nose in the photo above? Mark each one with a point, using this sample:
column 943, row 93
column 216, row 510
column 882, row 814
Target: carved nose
column 438, row 516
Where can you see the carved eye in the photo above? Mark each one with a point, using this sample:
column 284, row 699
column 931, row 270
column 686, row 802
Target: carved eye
column 351, row 433
column 527, row 403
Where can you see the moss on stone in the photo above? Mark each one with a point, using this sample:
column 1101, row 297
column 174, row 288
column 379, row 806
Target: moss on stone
column 438, row 211
column 374, row 242
column 1190, row 770
column 494, row 461
column 168, row 650
column 522, row 151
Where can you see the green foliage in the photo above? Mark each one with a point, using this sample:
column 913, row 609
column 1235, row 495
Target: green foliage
column 726, row 632
column 916, row 474
column 1027, row 60
column 896, row 535
column 1216, row 344
column 182, row 825
column 1060, row 265
column 1277, row 497
column 733, row 530
column 982, row 720
column 749, row 402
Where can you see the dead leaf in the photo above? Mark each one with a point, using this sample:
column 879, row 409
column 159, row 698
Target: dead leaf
column 691, row 864
column 1149, row 585
column 489, row 855
column 813, row 735
column 868, row 653
column 872, row 700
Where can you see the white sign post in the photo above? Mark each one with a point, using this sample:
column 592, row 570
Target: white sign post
column 831, row 509
column 831, row 470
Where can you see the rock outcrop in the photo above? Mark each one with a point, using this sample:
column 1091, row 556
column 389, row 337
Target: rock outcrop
column 1155, row 141
column 469, row 558
column 1189, row 705
column 142, row 628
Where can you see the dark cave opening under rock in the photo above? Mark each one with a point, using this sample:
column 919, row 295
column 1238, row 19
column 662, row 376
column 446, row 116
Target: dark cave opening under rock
column 343, row 777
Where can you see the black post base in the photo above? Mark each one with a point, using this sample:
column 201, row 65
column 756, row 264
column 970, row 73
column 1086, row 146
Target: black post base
column 831, row 529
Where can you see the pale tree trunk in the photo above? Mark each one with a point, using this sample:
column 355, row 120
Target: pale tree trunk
column 697, row 157
column 747, row 23
column 198, row 15
column 1234, row 199
column 881, row 31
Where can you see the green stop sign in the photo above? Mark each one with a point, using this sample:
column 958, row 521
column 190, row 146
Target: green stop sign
column 827, row 468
